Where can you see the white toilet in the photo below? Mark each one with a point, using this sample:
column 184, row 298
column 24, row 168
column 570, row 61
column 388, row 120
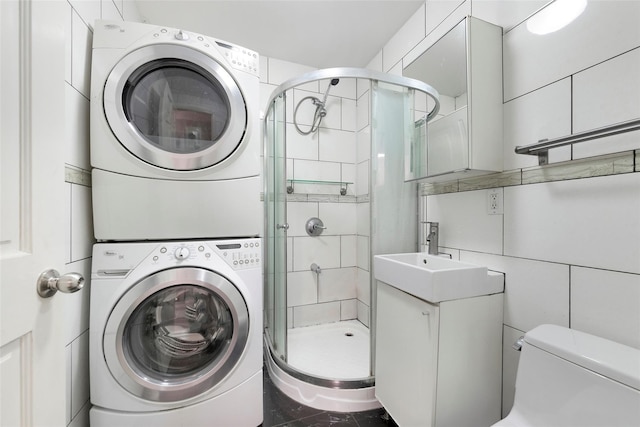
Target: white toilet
column 570, row 378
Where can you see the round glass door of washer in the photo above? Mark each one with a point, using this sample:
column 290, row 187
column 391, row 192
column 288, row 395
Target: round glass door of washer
column 175, row 107
column 176, row 334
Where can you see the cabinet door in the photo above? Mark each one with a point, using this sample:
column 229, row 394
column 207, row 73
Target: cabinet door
column 406, row 356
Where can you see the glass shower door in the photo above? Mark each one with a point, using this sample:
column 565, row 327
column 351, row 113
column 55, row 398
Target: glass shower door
column 276, row 229
column 394, row 202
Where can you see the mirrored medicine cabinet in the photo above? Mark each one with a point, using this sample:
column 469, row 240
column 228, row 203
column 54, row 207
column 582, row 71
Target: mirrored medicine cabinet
column 465, row 138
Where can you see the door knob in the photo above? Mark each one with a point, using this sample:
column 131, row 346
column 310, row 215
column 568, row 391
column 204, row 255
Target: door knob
column 51, row 282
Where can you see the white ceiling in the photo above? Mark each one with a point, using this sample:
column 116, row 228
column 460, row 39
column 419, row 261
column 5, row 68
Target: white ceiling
column 318, row 33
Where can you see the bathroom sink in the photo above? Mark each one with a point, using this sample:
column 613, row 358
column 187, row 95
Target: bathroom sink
column 435, row 279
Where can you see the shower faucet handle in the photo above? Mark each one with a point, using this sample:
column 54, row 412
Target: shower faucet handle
column 315, row 226
column 284, row 226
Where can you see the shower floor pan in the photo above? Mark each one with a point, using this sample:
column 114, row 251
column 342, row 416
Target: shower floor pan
column 334, row 350
column 337, row 353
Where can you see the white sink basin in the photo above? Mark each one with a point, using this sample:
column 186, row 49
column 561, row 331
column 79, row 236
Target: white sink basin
column 433, row 278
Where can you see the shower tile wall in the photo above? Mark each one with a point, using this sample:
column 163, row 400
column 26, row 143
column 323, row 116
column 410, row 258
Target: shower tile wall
column 569, row 241
column 331, row 154
column 81, row 15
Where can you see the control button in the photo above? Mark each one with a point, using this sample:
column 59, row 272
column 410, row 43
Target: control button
column 163, row 250
column 164, row 30
column 200, row 38
column 155, row 258
column 181, row 35
column 201, row 248
column 207, row 255
column 246, row 245
column 235, row 262
column 182, row 253
column 257, row 244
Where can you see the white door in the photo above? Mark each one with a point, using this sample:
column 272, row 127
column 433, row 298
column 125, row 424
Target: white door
column 32, row 209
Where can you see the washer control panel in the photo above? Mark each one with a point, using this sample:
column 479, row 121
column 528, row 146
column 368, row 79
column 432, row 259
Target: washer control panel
column 242, row 254
column 239, row 254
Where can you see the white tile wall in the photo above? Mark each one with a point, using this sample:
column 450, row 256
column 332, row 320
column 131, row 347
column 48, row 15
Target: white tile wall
column 438, row 10
column 77, row 125
column 322, row 250
column 80, row 18
column 404, row 40
column 591, row 222
column 607, row 304
column 604, row 30
column 535, row 292
column 339, row 218
column 607, row 93
column 316, row 314
column 543, row 114
column 300, row 146
column 506, row 14
column 302, row 288
column 337, row 284
column 337, row 145
column 348, row 251
column 464, row 221
column 298, row 213
column 81, row 54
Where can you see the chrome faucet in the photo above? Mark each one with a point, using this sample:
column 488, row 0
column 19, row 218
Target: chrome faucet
column 432, row 238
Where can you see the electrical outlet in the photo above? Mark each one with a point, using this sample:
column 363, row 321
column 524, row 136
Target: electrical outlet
column 494, row 201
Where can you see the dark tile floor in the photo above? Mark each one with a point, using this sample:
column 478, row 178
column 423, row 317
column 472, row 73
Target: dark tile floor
column 281, row 411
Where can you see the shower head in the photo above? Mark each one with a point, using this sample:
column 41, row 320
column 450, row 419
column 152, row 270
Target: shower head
column 332, row 83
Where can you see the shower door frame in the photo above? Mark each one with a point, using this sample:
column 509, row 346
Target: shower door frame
column 272, row 231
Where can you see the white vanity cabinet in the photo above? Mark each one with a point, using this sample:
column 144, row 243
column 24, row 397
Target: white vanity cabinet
column 439, row 364
column 465, row 138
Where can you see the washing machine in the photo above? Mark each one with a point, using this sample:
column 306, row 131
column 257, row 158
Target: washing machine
column 175, row 333
column 174, row 135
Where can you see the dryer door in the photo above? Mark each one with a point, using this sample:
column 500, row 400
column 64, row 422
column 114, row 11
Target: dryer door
column 175, row 107
column 176, row 334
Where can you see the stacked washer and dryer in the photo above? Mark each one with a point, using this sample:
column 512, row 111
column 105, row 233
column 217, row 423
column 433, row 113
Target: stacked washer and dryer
column 176, row 294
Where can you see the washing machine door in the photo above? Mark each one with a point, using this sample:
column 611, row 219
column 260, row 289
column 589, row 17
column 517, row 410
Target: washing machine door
column 175, row 107
column 176, row 334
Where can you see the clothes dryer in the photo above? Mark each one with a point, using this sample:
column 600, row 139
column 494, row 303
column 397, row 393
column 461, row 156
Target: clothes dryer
column 175, row 146
column 175, row 334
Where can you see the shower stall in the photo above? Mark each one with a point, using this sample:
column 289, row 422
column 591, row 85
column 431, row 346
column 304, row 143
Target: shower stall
column 338, row 146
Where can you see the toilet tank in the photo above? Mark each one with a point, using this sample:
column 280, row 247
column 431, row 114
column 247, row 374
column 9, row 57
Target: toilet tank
column 570, row 378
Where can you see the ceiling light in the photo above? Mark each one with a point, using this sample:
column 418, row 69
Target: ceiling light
column 555, row 16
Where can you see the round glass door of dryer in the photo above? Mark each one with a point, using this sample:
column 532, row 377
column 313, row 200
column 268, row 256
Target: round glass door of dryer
column 176, row 334
column 175, row 107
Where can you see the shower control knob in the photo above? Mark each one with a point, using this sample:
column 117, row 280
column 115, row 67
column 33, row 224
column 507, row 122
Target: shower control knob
column 182, row 253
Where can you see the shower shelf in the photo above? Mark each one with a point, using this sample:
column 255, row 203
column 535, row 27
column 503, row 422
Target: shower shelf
column 343, row 184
